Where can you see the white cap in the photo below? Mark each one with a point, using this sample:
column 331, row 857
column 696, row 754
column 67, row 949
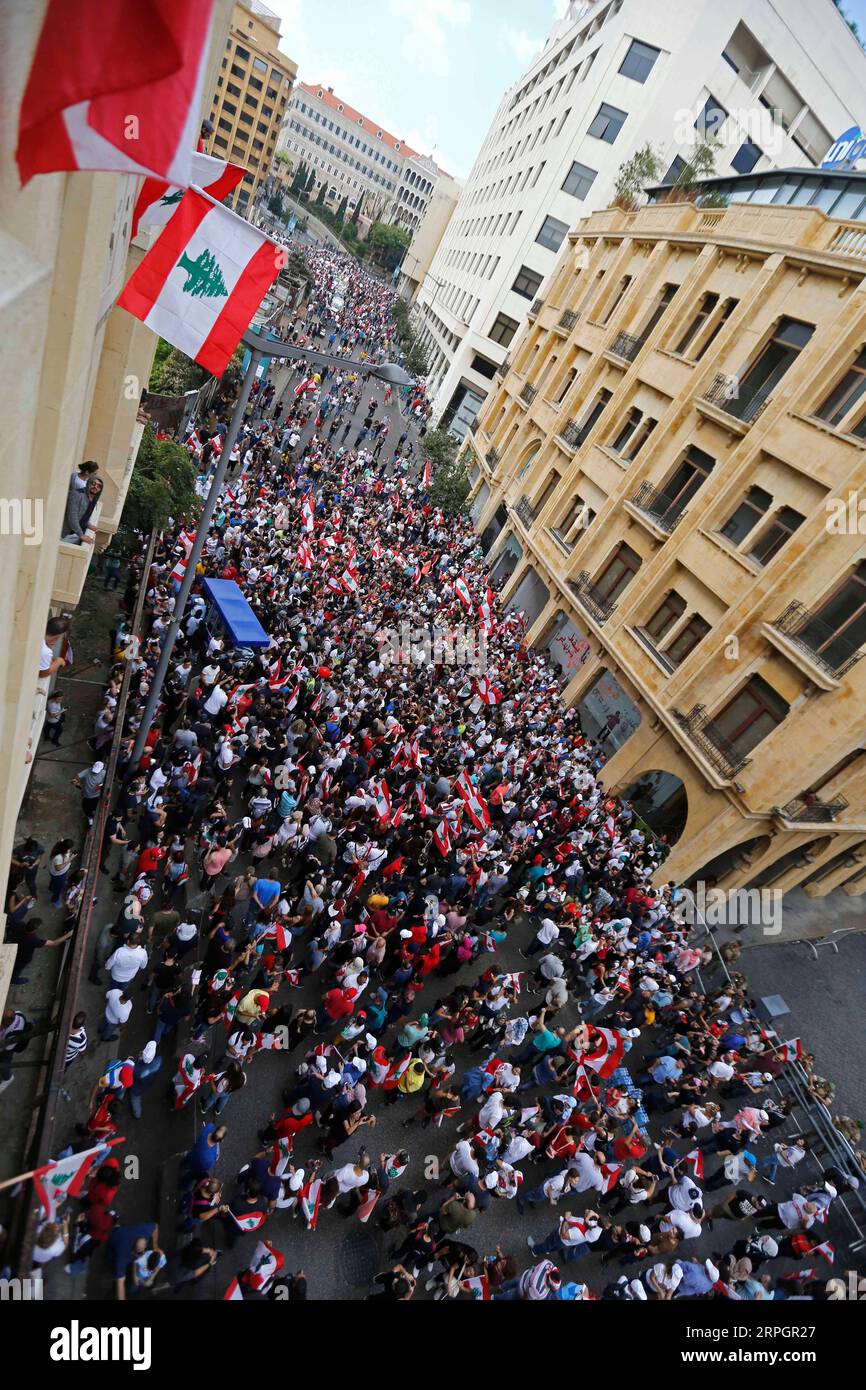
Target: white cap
column 148, row 1052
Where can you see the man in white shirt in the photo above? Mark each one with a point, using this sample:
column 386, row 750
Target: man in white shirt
column 124, row 964
column 216, row 702
column 118, row 1007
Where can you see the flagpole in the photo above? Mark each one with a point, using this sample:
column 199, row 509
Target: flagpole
column 204, row 521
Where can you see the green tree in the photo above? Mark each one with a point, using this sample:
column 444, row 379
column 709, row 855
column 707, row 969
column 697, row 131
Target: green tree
column 450, row 484
column 341, row 210
column 162, row 484
column 283, row 157
column 320, row 196
column 416, row 360
column 387, row 243
column 311, row 182
column 174, row 373
column 275, row 203
column 701, row 164
column 633, row 176
column 299, row 182
column 356, row 210
column 204, row 276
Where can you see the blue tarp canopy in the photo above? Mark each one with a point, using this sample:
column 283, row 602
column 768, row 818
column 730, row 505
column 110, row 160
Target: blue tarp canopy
column 229, row 607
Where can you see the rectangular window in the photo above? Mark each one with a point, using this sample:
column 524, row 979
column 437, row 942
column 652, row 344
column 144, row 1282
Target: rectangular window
column 666, row 616
column 579, row 180
column 618, row 294
column 632, row 421
column 770, row 542
column 685, row 641
column 746, row 157
column 552, row 233
column 773, row 361
column 232, row 89
column 705, row 308
column 618, row 573
column 527, row 283
column 711, row 118
column 639, row 439
column 260, row 65
column 607, row 123
column 675, row 170
column 718, row 322
column 504, row 330
column 846, row 393
column 681, row 487
column 638, row 63
column 752, row 714
column 751, row 510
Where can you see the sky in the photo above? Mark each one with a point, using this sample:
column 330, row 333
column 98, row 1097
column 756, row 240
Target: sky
column 432, row 72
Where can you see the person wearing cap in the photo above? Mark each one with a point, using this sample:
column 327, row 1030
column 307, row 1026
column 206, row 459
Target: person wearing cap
column 90, row 781
column 146, row 1069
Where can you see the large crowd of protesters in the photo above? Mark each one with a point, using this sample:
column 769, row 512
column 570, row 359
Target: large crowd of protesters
column 395, row 879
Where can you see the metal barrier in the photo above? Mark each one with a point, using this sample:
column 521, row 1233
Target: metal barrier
column 41, row 1139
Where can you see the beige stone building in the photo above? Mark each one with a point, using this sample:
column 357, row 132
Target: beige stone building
column 425, row 241
column 73, row 368
column 669, row 480
column 251, row 95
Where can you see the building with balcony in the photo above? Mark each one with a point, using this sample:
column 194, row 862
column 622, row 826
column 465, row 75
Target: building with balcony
column 670, row 483
column 773, row 85
column 250, row 97
column 355, row 157
column 74, row 366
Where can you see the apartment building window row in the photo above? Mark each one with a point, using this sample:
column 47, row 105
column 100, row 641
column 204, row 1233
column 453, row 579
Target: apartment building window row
column 607, row 123
column 579, row 180
column 503, row 330
column 633, row 435
column 844, row 408
column 754, row 510
column 552, row 233
column 639, row 61
column 528, row 282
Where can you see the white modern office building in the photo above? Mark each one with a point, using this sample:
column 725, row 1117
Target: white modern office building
column 772, row 82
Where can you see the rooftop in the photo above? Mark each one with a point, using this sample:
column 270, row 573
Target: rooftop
column 336, row 103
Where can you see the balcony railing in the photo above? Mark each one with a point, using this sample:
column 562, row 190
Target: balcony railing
column 502, row 371
column 528, row 394
column 811, row 810
column 664, row 511
column 492, row 457
column 724, row 393
column 715, row 747
column 525, row 512
column 806, row 631
column 568, row 320
column 537, row 306
column 626, row 346
column 597, row 604
column 571, row 434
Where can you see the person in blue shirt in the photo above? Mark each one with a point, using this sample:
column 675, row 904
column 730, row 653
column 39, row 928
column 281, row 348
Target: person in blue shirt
column 265, row 895
column 202, row 1158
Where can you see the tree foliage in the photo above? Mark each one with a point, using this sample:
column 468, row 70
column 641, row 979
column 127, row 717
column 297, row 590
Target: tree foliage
column 387, row 243
column 450, row 484
column 341, row 210
column 173, row 373
column 162, row 484
column 633, row 176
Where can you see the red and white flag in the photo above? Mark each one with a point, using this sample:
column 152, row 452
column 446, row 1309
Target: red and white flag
column 216, row 443
column 696, row 1159
column 251, row 1221
column 64, row 1177
column 266, row 1262
column 476, row 806
column 427, row 474
column 308, row 384
column 442, row 839
column 479, row 1287
column 790, row 1051
column 309, row 1200
column 233, row 1293
column 605, row 1051
column 487, row 692
column 421, row 794
column 461, row 589
column 203, row 280
column 117, row 89
column 308, row 515
column 382, row 800
column 157, row 200
column 349, row 579
column 826, row 1250
column 485, row 613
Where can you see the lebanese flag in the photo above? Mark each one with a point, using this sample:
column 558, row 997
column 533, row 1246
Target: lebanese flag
column 421, row 794
column 382, row 801
column 791, row 1051
column 441, row 838
column 308, row 384
column 826, row 1250
column 216, row 443
column 427, row 474
column 512, row 980
column 476, row 806
column 251, row 1222
column 610, row 1173
column 582, row 1088
column 266, row 1262
column 309, row 1200
column 487, row 692
column 203, row 281
column 368, row 1206
column 157, row 200
column 605, row 1051
column 696, row 1159
column 479, row 1287
column 116, row 88
column 376, row 552
column 64, row 1177
column 349, row 579
column 485, row 613
column 308, row 515
column 461, row 589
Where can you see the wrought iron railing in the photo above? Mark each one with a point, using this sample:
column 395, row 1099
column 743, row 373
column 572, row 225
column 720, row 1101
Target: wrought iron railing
column 828, row 649
column 568, row 320
column 571, row 434
column 537, row 306
column 702, row 731
column 724, row 392
column 811, row 810
column 597, row 604
column 503, row 370
column 665, row 511
column 492, row 457
column 525, row 512
column 529, row 393
column 626, row 346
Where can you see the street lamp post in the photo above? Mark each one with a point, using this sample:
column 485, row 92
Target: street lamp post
column 259, row 348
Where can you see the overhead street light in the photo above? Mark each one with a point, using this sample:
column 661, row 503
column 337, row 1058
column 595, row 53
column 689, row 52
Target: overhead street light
column 259, row 347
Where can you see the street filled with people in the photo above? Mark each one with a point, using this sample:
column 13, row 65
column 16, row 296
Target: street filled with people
column 372, row 870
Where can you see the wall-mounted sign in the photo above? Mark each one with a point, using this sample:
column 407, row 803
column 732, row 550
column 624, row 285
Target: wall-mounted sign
column 846, row 149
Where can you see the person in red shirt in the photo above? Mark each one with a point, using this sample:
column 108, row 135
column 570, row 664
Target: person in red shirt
column 290, row 1123
column 336, row 1004
column 150, row 859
